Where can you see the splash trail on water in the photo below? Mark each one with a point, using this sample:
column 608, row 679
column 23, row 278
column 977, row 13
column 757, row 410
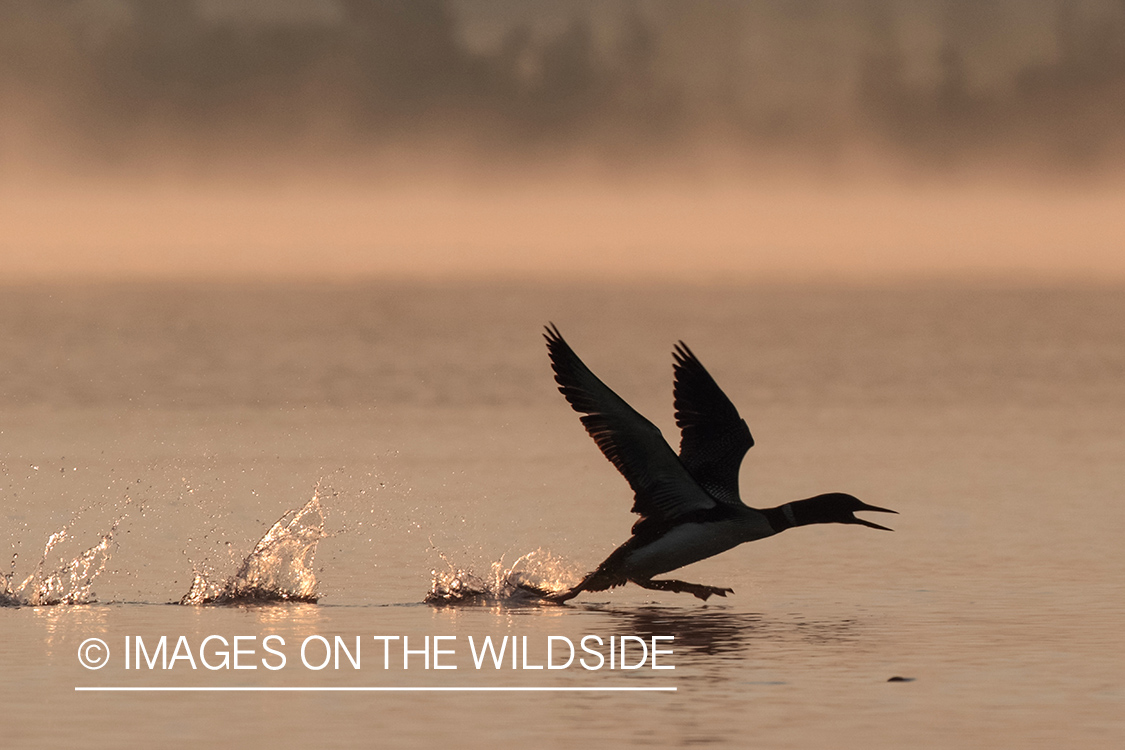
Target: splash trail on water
column 70, row 583
column 529, row 579
column 278, row 569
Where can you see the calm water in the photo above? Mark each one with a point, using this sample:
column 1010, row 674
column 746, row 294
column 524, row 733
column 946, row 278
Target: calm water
column 989, row 418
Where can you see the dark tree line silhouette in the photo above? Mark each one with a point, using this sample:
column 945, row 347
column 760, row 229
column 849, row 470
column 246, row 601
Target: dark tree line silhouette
column 113, row 77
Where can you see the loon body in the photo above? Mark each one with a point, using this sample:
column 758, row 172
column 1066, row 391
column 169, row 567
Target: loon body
column 689, row 504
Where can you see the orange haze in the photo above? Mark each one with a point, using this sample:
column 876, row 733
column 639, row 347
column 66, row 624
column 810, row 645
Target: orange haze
column 573, row 229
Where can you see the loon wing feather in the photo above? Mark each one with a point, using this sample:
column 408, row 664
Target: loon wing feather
column 714, row 437
column 662, row 487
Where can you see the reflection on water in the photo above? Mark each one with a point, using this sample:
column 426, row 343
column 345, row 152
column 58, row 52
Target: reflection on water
column 298, row 616
column 727, row 633
column 279, row 568
column 61, row 626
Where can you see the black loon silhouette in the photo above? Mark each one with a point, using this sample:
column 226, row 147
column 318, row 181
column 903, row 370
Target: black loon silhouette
column 688, row 504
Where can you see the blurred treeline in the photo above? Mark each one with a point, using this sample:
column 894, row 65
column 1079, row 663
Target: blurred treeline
column 943, row 83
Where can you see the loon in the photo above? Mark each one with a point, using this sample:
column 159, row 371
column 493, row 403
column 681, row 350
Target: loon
column 689, row 505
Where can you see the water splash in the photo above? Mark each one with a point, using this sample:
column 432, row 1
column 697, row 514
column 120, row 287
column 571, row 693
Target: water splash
column 70, row 583
column 278, row 569
column 7, row 597
column 529, row 579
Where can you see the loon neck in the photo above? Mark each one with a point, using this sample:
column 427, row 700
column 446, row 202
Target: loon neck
column 803, row 513
column 783, row 517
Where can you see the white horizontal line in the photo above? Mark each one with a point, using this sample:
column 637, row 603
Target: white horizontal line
column 139, row 689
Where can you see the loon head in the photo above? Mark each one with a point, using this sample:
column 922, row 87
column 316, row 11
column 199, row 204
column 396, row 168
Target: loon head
column 835, row 507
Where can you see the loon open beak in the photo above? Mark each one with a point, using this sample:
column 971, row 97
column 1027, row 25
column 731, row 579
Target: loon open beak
column 869, row 524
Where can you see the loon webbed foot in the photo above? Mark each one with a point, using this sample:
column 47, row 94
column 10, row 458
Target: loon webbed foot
column 560, row 597
column 697, row 590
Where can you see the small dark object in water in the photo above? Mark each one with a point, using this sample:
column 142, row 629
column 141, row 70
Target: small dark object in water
column 896, row 678
column 251, row 596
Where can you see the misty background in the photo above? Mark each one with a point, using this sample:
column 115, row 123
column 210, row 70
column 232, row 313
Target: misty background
column 390, row 92
column 942, row 83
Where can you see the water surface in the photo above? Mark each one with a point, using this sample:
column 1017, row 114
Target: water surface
column 199, row 415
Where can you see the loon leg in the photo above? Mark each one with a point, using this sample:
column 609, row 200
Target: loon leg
column 682, row 587
column 598, row 580
column 561, row 596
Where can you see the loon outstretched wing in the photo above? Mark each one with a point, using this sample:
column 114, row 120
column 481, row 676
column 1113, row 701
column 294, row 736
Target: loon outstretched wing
column 714, row 438
column 663, row 488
